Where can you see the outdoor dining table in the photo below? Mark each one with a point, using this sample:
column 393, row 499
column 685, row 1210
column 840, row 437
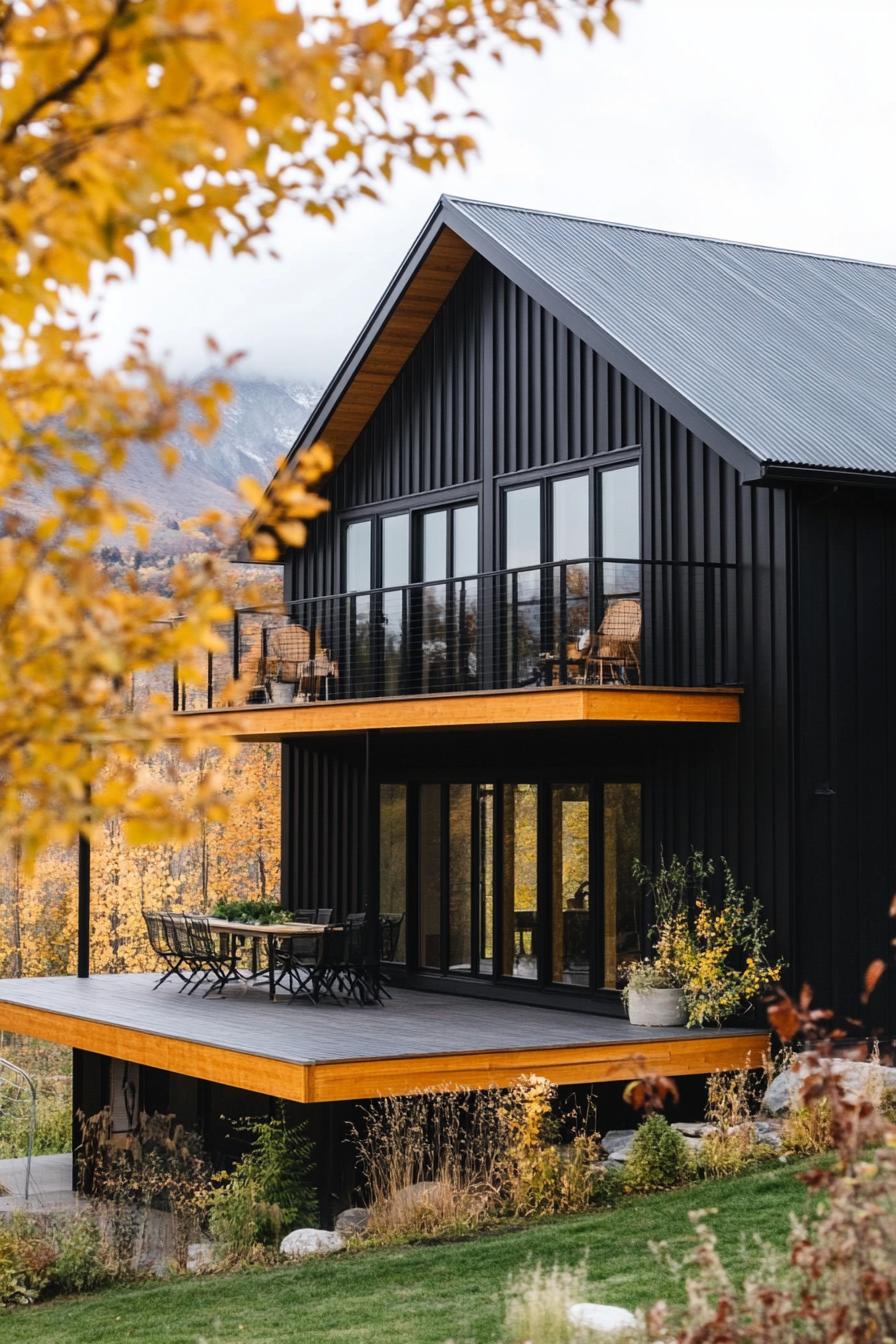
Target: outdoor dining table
column 267, row 933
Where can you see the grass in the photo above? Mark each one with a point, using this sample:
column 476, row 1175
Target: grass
column 423, row 1294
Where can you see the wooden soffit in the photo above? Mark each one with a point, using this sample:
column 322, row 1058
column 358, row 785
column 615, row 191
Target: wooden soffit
column 378, row 367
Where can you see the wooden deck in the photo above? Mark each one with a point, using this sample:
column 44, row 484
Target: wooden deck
column 334, row 1052
column 534, row 707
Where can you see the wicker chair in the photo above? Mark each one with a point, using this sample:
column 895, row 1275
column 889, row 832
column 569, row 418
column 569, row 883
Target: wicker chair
column 617, row 645
column 289, row 661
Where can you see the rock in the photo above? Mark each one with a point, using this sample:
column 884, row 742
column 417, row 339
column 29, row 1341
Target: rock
column 306, row 1241
column 200, row 1255
column 769, row 1133
column 597, row 1316
column 692, row 1129
column 617, row 1143
column 351, row 1222
column 860, row 1079
column 421, row 1195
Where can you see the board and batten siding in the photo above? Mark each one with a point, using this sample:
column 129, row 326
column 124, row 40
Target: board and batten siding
column 497, row 386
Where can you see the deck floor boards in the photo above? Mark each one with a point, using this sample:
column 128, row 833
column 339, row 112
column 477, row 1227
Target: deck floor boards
column 413, row 1023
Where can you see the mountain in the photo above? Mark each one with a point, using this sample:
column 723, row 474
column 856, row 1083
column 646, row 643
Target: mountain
column 257, row 426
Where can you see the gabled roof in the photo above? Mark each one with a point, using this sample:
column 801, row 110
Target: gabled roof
column 784, row 361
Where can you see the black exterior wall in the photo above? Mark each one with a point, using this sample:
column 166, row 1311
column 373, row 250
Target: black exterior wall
column 845, row 578
column 498, row 389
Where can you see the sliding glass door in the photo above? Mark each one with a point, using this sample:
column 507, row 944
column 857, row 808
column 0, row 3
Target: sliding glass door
column 521, row 881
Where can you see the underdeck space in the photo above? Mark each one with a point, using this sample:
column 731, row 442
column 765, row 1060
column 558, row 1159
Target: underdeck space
column 336, row 1052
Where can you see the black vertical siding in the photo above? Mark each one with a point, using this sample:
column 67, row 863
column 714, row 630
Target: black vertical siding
column 736, row 799
column 322, row 791
column 497, row 386
column 846, row 744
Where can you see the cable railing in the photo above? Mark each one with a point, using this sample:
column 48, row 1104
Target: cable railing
column 596, row 621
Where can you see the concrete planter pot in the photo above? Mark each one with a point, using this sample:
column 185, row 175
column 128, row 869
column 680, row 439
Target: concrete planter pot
column 657, row 1008
column 282, row 692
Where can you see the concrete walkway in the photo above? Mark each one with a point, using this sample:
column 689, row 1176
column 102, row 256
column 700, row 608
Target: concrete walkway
column 51, row 1184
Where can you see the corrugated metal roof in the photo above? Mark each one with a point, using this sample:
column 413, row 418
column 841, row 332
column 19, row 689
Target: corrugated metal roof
column 793, row 354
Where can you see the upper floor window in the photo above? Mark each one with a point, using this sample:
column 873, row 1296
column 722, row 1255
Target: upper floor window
column 571, row 517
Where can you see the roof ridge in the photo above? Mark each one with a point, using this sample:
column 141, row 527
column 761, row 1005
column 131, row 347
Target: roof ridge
column 672, row 233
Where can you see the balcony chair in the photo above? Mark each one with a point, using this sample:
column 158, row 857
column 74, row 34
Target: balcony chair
column 289, row 662
column 345, row 967
column 297, row 957
column 160, row 941
column 203, row 956
column 617, row 645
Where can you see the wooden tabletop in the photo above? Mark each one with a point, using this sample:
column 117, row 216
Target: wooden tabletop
column 264, row 930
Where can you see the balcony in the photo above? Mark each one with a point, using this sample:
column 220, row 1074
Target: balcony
column 621, row 639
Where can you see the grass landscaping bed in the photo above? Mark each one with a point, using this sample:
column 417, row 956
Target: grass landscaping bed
column 425, row 1294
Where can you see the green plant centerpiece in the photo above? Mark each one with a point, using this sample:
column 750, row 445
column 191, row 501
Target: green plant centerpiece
column 251, row 912
column 712, row 948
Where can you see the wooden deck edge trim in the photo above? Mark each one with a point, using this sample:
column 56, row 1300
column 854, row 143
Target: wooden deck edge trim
column 213, row 1063
column 482, row 709
column 365, row 1078
column 596, row 1063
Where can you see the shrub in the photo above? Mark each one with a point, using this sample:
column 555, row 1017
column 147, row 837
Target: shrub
column 269, row 1190
column 26, row 1254
column 161, row 1164
column 659, row 1158
column 732, row 1145
column 79, row 1265
column 833, row 1282
column 808, row 1129
column 540, row 1176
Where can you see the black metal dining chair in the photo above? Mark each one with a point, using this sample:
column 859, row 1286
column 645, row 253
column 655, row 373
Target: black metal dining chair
column 161, row 943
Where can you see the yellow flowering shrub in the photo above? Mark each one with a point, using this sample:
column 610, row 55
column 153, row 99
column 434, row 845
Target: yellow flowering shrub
column 714, row 948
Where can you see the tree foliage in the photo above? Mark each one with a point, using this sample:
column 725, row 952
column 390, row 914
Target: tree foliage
column 128, row 125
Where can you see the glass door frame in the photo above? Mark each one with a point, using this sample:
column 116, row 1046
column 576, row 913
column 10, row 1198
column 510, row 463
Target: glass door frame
column 545, row 780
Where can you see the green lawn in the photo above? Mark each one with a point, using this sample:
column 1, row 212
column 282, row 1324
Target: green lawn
column 422, row 1295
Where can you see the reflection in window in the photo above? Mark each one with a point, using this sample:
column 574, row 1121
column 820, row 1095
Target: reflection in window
column 571, row 605
column 486, row 798
column 519, row 953
column 393, row 857
column 460, row 875
column 522, row 546
column 570, row 941
column 431, row 876
column 623, row 925
column 621, row 528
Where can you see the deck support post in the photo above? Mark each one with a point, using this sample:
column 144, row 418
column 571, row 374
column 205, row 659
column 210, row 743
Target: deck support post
column 83, row 906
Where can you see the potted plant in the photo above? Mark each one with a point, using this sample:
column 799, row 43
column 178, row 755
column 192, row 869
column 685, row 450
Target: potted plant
column 653, row 995
column 709, row 949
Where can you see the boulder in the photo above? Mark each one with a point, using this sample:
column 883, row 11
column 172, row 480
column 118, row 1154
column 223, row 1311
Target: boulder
column 598, row 1316
column 351, row 1222
column 420, row 1195
column 692, row 1129
column 617, row 1144
column 307, row 1241
column 859, row 1078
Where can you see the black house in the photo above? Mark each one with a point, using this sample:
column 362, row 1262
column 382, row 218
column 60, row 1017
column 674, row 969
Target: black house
column 609, row 571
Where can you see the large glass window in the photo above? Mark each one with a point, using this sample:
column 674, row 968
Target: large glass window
column 570, row 890
column 460, row 876
column 519, row 953
column 620, row 523
column 623, row 938
column 430, row 913
column 486, row 877
column 396, row 572
column 393, row 859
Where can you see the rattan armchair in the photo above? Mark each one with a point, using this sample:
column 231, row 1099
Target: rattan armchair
column 616, row 648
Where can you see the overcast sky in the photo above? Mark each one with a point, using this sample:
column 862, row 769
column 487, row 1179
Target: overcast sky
column 762, row 120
